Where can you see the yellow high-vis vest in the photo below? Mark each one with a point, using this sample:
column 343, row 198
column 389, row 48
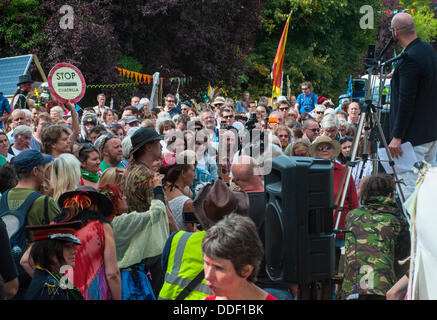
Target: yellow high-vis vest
column 185, row 262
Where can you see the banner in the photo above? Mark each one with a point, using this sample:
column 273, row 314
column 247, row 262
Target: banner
column 278, row 62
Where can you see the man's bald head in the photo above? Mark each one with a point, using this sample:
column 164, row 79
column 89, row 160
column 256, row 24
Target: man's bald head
column 404, row 23
column 247, row 174
column 243, row 167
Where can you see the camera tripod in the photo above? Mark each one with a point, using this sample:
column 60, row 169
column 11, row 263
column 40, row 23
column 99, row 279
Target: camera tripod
column 369, row 116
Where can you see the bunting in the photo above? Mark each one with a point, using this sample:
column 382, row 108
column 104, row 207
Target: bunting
column 148, row 78
column 411, row 11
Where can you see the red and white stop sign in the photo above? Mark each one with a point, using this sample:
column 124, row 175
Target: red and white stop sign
column 66, row 83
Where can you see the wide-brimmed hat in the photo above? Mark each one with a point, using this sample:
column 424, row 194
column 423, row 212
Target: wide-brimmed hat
column 324, row 139
column 25, row 78
column 214, row 201
column 103, row 202
column 57, row 231
column 219, row 100
column 142, row 136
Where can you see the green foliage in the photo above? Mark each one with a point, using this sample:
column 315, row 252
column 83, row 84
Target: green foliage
column 324, row 45
column 21, row 25
column 426, row 24
column 129, row 63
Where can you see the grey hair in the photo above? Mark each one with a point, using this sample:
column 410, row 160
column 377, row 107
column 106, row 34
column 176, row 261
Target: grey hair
column 235, row 238
column 22, row 130
column 329, row 120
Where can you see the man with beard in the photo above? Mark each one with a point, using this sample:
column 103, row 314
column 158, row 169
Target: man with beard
column 111, row 153
column 413, row 112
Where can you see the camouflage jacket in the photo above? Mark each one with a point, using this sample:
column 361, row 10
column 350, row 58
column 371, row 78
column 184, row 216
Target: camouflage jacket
column 379, row 237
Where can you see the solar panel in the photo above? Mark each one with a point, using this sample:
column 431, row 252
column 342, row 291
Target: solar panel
column 10, row 69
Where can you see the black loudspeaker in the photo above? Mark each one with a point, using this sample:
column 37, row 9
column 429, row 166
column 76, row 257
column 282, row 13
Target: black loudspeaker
column 299, row 238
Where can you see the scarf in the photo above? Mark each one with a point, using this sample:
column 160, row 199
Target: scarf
column 90, row 176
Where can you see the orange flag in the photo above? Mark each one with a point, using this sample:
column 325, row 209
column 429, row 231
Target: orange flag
column 278, row 62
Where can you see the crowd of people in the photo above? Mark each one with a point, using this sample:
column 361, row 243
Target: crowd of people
column 165, row 202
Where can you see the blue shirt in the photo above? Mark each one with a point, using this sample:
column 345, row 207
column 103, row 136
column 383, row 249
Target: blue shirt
column 306, row 103
column 239, row 107
column 4, row 106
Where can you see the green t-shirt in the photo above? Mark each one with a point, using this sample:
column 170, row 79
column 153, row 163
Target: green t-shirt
column 35, row 216
column 103, row 166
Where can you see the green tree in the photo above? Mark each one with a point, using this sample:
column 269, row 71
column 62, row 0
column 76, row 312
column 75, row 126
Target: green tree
column 20, row 27
column 325, row 43
column 426, row 24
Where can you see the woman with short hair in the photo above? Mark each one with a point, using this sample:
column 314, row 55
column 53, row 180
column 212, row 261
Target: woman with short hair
column 232, row 254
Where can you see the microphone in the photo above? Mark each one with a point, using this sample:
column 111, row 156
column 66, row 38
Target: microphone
column 401, row 56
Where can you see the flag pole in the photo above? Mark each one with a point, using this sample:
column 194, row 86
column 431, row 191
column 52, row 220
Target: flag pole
column 277, row 74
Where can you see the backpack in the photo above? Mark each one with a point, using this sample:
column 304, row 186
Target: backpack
column 15, row 221
column 135, row 284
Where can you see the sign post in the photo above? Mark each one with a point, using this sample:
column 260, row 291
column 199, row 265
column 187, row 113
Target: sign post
column 67, row 83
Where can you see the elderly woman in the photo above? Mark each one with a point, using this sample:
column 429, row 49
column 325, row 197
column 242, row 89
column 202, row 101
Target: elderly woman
column 326, row 148
column 285, row 135
column 232, row 253
column 298, row 149
column 329, row 125
column 319, row 112
column 56, row 114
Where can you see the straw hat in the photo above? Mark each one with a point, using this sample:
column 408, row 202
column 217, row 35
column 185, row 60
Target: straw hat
column 324, row 139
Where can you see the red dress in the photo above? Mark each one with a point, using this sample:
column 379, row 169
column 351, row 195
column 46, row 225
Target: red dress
column 89, row 272
column 351, row 200
column 269, row 297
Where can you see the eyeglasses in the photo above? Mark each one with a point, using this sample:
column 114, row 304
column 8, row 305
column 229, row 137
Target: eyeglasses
column 107, row 138
column 325, row 147
column 314, row 130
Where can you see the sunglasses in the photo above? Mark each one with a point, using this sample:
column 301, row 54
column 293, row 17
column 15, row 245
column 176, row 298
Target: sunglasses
column 228, row 117
column 325, row 147
column 170, row 101
column 305, row 88
column 107, row 138
column 283, row 109
column 283, row 136
column 320, row 112
column 314, row 130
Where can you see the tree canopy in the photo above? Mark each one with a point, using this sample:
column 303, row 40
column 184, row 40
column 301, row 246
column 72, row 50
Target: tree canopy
column 229, row 43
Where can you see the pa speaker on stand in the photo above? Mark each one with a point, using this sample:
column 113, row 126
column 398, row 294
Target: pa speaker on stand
column 300, row 243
